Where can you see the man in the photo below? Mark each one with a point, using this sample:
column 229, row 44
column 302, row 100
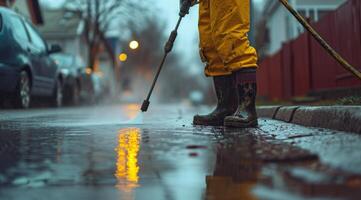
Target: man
column 230, row 60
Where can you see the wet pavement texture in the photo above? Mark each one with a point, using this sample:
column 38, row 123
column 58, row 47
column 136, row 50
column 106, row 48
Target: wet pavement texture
column 94, row 153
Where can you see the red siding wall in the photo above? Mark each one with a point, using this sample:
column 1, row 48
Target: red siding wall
column 323, row 65
column 302, row 65
column 263, row 77
column 348, row 39
column 287, row 70
column 275, row 78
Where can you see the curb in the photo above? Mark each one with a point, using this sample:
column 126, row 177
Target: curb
column 341, row 118
column 268, row 111
column 286, row 113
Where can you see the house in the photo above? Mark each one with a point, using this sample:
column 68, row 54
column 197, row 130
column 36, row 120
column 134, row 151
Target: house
column 67, row 30
column 28, row 8
column 281, row 26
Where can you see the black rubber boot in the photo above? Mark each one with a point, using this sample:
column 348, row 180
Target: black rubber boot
column 247, row 91
column 227, row 102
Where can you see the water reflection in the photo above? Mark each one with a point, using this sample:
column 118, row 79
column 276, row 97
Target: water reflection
column 127, row 167
column 237, row 169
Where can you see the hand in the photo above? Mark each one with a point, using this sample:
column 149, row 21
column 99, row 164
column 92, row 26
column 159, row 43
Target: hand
column 185, row 6
column 193, row 2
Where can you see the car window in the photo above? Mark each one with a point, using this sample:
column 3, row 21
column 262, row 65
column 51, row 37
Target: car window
column 35, row 38
column 18, row 28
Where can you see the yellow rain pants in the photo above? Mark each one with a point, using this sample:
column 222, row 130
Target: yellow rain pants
column 223, row 28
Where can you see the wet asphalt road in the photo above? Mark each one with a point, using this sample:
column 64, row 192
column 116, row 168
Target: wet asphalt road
column 94, row 153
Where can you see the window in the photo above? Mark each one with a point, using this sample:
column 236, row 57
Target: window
column 303, row 12
column 37, row 41
column 312, row 15
column 18, row 29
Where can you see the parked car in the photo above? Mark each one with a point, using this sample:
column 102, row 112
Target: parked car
column 26, row 69
column 71, row 68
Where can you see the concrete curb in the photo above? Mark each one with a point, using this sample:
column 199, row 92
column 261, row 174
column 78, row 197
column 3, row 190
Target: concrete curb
column 341, row 118
column 286, row 113
column 268, row 111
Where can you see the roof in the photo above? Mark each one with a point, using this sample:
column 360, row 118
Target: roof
column 60, row 24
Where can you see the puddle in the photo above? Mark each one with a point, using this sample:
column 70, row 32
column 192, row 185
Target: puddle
column 196, row 147
column 311, row 177
column 193, row 154
column 127, row 164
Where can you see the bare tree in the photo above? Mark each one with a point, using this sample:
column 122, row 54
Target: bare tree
column 99, row 16
column 139, row 70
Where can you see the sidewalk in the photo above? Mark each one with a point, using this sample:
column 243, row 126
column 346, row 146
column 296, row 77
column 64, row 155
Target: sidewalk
column 341, row 118
column 97, row 153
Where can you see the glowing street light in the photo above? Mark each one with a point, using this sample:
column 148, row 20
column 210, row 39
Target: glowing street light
column 88, row 70
column 123, row 57
column 134, row 44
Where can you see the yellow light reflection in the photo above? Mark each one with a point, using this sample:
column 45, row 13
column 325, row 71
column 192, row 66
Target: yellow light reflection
column 127, row 168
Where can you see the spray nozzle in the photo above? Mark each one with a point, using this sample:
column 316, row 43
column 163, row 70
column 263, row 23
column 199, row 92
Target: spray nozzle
column 145, row 106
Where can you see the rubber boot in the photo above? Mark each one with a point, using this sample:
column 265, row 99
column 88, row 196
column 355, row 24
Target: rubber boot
column 246, row 115
column 226, row 102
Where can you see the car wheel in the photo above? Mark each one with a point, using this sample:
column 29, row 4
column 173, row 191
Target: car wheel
column 22, row 94
column 57, row 99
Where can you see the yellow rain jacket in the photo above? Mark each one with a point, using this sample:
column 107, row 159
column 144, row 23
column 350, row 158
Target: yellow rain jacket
column 223, row 29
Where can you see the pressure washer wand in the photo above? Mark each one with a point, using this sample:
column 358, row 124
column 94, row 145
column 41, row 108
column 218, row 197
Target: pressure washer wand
column 185, row 6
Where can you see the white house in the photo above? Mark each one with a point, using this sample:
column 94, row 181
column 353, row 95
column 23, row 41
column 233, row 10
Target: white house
column 67, row 30
column 281, row 25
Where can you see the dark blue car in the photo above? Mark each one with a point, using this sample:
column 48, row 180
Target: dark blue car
column 26, row 69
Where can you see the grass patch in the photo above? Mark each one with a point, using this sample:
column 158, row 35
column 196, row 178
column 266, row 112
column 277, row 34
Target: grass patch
column 350, row 101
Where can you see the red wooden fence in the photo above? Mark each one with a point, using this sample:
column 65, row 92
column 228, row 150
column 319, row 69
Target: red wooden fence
column 302, row 65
